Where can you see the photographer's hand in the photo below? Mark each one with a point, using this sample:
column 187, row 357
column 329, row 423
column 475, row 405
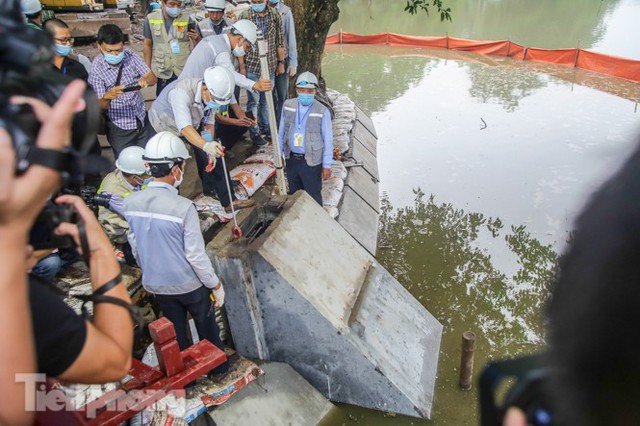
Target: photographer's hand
column 21, row 199
column 106, row 355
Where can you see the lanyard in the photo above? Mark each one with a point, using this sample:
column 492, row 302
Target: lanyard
column 263, row 24
column 298, row 120
column 206, row 118
column 64, row 70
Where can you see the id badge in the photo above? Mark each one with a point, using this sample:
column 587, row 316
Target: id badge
column 207, row 136
column 297, row 140
column 175, row 46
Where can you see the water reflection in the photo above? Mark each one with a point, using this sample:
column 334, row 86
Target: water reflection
column 439, row 253
column 543, row 23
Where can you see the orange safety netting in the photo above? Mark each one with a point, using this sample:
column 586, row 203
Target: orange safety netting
column 606, row 64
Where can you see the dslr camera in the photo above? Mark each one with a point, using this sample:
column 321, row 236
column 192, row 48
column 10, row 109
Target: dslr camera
column 26, row 57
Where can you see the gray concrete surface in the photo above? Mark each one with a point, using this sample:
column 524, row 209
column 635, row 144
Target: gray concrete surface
column 280, row 397
column 308, row 294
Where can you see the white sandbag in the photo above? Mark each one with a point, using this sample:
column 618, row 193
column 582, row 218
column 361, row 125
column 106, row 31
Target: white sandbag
column 333, row 211
column 339, row 170
column 341, row 143
column 252, row 176
column 332, row 191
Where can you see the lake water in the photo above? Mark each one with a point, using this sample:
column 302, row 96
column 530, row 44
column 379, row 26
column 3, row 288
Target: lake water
column 484, row 163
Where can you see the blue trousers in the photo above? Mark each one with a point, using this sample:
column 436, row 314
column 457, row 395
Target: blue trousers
column 199, row 305
column 162, row 83
column 281, row 90
column 257, row 104
column 302, row 176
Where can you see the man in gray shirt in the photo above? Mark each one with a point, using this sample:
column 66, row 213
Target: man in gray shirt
column 165, row 237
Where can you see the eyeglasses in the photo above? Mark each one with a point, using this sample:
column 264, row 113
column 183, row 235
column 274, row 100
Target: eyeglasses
column 68, row 40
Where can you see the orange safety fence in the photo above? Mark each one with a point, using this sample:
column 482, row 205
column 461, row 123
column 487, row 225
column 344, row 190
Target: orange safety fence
column 606, row 64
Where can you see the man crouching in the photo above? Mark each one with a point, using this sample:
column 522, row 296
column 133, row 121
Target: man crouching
column 166, row 241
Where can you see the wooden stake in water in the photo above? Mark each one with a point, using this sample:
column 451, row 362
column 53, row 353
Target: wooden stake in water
column 466, row 361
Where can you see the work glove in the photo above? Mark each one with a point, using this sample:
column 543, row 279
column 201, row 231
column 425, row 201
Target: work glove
column 293, row 70
column 218, row 296
column 214, row 149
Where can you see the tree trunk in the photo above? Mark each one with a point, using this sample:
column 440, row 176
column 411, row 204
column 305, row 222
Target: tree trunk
column 313, row 18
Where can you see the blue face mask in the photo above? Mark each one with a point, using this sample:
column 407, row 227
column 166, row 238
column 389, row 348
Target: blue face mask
column 62, row 50
column 213, row 106
column 305, row 99
column 114, row 59
column 258, row 8
column 147, row 181
column 172, row 11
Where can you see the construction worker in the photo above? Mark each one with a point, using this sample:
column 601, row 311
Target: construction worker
column 168, row 245
column 189, row 108
column 129, row 176
column 32, row 10
column 306, row 139
column 166, row 42
column 270, row 23
column 219, row 50
column 215, row 22
column 281, row 92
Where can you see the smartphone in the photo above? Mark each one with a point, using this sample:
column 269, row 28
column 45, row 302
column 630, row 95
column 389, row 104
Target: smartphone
column 191, row 26
column 131, row 88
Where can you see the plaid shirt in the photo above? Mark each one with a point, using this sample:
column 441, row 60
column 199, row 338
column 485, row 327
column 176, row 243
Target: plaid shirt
column 271, row 26
column 125, row 109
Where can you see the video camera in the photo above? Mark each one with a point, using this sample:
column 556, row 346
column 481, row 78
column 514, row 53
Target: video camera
column 26, row 58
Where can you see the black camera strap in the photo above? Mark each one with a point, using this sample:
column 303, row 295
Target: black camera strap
column 59, row 160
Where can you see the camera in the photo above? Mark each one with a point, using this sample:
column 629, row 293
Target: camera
column 26, row 57
column 528, row 379
column 94, row 200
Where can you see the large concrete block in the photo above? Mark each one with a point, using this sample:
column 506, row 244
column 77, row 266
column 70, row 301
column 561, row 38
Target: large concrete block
column 362, row 155
column 366, row 121
column 279, row 397
column 359, row 219
column 306, row 293
column 365, row 138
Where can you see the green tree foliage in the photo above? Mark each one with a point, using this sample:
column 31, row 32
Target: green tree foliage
column 415, row 6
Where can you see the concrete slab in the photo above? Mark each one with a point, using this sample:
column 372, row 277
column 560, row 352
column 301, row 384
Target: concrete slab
column 359, row 219
column 365, row 138
column 332, row 296
column 365, row 186
column 281, row 396
column 306, row 293
column 363, row 118
column 361, row 154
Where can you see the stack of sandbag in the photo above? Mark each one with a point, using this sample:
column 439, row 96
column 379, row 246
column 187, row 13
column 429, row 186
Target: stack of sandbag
column 345, row 116
column 332, row 189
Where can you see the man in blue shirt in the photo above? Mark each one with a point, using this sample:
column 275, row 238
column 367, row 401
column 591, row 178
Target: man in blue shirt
column 306, row 139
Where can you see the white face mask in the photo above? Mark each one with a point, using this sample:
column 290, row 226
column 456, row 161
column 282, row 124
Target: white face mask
column 179, row 180
column 239, row 50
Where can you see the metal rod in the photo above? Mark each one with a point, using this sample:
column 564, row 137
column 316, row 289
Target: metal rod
column 226, row 179
column 466, row 360
column 273, row 124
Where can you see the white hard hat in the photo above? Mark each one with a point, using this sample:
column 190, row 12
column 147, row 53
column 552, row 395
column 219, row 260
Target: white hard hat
column 130, row 161
column 165, row 148
column 215, row 5
column 307, row 80
column 246, row 29
column 220, row 83
column 30, row 7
